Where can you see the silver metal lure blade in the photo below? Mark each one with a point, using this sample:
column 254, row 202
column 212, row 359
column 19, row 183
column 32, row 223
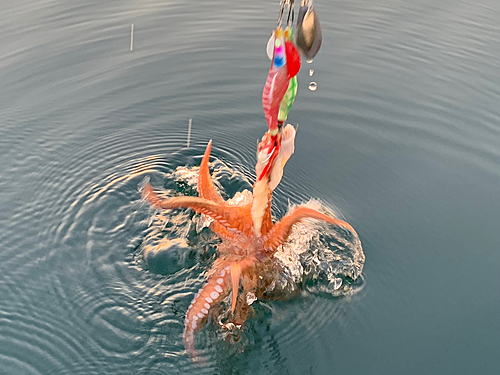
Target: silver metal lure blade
column 270, row 47
column 309, row 35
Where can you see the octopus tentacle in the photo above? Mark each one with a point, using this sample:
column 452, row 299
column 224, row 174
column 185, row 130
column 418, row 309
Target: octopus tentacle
column 207, row 190
column 232, row 218
column 281, row 230
column 214, row 291
column 221, row 231
column 237, row 269
column 219, row 284
column 206, row 187
column 235, row 283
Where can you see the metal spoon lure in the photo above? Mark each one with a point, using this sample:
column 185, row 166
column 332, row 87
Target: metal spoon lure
column 309, row 35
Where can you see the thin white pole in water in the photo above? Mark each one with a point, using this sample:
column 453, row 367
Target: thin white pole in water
column 132, row 38
column 189, row 131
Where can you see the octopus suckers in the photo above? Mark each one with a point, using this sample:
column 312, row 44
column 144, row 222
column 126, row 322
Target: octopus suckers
column 220, row 281
column 214, row 295
column 201, row 315
column 206, row 305
column 195, row 318
column 208, row 299
column 194, row 325
column 204, row 311
column 218, row 288
column 222, row 273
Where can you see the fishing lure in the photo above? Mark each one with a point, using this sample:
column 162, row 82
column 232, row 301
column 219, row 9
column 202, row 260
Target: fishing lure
column 276, row 83
column 293, row 58
column 281, row 84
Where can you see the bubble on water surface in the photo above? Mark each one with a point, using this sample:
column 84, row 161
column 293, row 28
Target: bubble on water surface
column 313, row 86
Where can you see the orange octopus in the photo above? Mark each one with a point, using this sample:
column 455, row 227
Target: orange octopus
column 249, row 236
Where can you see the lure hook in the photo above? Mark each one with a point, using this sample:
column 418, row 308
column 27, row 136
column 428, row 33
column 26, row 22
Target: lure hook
column 286, row 4
column 282, row 9
column 291, row 13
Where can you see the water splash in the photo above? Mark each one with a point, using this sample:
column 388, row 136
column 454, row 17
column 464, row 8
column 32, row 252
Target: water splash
column 318, row 258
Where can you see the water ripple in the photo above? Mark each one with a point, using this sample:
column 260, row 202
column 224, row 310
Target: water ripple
column 84, row 121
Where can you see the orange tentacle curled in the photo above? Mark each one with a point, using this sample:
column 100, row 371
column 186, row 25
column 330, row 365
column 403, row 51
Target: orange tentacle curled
column 237, row 269
column 214, row 291
column 220, row 282
column 206, row 187
column 207, row 190
column 281, row 230
column 225, row 215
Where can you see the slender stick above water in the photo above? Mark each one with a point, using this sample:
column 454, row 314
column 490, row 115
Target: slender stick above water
column 132, row 37
column 189, row 131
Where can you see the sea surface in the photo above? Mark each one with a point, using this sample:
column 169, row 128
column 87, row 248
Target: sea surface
column 401, row 139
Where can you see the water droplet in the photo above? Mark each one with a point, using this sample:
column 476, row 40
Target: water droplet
column 309, row 61
column 311, row 72
column 313, row 86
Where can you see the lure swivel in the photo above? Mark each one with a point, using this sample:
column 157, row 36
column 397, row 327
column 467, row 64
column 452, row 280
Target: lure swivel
column 286, row 5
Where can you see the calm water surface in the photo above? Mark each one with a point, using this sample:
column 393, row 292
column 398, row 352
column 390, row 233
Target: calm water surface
column 401, row 137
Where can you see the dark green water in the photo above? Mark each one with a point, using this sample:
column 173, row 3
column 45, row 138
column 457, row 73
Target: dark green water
column 401, row 137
